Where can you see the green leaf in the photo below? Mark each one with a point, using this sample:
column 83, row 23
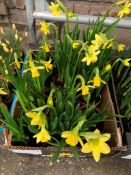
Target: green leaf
column 58, row 150
column 89, row 110
column 32, row 129
column 75, row 152
column 112, row 26
column 59, row 101
column 7, row 116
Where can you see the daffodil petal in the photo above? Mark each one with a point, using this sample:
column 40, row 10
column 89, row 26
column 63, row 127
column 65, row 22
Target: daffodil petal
column 73, row 141
column 96, row 154
column 86, row 148
column 104, row 148
column 105, row 137
column 97, row 131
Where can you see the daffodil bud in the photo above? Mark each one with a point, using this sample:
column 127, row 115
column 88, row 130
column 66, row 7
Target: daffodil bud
column 6, row 71
column 26, row 34
column 11, row 50
column 16, row 36
column 1, row 58
column 13, row 26
column 70, row 14
column 108, row 67
column 6, row 49
column 75, row 45
column 1, row 30
column 7, row 41
column 4, row 45
column 50, row 100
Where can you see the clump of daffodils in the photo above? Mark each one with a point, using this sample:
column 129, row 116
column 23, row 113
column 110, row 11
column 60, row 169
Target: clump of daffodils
column 59, row 87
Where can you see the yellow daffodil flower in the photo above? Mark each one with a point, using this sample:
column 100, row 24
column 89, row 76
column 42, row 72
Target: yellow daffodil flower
column 91, row 55
column 34, row 72
column 46, row 48
column 85, row 89
column 126, row 62
column 2, row 92
column 34, row 69
column 42, row 136
column 75, row 45
column 72, row 137
column 17, row 64
column 108, row 43
column 55, row 8
column 37, row 118
column 70, row 14
column 125, row 10
column 98, row 41
column 97, row 81
column 120, row 47
column 108, row 67
column 97, row 145
column 45, row 28
column 37, row 121
column 47, row 65
column 120, row 2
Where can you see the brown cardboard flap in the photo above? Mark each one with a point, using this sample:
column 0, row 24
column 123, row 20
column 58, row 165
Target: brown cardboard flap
column 110, row 126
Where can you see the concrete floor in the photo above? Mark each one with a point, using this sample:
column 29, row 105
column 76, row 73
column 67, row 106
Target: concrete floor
column 12, row 164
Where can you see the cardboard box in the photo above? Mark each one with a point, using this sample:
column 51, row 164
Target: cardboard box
column 110, row 126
